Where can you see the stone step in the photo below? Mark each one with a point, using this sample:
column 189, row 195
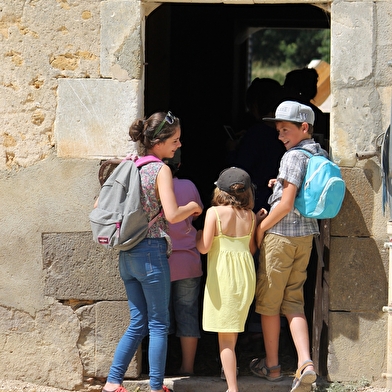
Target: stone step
column 213, row 384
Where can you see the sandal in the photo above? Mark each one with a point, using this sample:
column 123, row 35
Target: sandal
column 304, row 379
column 259, row 368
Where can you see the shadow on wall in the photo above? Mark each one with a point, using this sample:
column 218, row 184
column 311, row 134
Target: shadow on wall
column 358, row 262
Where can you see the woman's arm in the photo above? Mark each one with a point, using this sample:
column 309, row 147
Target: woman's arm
column 205, row 237
column 173, row 212
column 285, row 205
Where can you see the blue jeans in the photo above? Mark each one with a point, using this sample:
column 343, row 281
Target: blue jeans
column 184, row 307
column 146, row 275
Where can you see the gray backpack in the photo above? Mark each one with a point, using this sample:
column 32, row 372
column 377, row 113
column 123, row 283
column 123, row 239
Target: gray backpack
column 119, row 221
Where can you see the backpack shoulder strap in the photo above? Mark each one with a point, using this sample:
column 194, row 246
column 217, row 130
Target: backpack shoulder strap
column 146, row 159
column 306, row 152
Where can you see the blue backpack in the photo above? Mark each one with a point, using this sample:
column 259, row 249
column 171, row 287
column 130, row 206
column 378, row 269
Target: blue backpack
column 322, row 191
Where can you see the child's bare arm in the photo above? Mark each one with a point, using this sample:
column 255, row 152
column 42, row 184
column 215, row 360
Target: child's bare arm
column 285, row 205
column 261, row 215
column 253, row 243
column 205, row 237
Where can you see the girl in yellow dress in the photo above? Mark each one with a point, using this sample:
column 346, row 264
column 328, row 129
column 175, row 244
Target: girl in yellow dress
column 229, row 239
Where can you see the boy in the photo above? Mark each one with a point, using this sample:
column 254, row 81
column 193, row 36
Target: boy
column 285, row 240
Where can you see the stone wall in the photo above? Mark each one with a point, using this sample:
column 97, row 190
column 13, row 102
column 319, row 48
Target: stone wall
column 70, row 85
column 361, row 83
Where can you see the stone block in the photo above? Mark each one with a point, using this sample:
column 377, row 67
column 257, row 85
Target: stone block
column 357, row 346
column 384, row 46
column 356, row 114
column 78, row 268
column 356, row 267
column 356, row 121
column 102, row 326
column 93, row 117
column 51, row 196
column 40, row 44
column 385, row 97
column 41, row 348
column 121, row 41
column 356, row 215
column 351, row 21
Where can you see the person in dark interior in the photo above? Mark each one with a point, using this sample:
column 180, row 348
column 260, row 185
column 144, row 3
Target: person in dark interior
column 301, row 85
column 259, row 151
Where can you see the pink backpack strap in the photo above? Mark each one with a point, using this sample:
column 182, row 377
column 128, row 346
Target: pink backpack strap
column 147, row 159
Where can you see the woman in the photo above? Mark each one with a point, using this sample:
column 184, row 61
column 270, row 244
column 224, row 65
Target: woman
column 144, row 268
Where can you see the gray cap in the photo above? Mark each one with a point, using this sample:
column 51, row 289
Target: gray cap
column 233, row 176
column 294, row 112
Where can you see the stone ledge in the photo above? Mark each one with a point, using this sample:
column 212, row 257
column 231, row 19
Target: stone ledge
column 212, row 384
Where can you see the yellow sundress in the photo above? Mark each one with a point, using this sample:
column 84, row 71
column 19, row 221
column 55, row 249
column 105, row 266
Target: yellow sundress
column 230, row 284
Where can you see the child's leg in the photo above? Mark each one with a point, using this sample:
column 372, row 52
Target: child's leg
column 227, row 342
column 271, row 331
column 305, row 374
column 299, row 332
column 188, row 348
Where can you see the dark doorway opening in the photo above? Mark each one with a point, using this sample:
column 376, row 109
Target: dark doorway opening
column 197, row 66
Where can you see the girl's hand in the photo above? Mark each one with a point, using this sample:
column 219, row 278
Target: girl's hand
column 261, row 215
column 271, row 182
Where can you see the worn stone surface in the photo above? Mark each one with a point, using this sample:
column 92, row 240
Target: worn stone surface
column 78, row 268
column 356, row 113
column 41, row 347
column 40, row 42
column 112, row 321
column 121, row 41
column 356, row 335
column 359, row 216
column 102, row 326
column 190, row 384
column 358, row 123
column 93, row 117
column 383, row 53
column 359, row 264
column 52, row 196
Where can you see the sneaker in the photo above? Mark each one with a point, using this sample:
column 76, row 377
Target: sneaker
column 119, row 389
column 166, row 389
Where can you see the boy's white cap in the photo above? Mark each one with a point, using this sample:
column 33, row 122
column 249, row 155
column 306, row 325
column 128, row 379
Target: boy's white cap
column 294, row 112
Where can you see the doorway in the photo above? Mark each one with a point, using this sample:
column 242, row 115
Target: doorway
column 197, row 66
